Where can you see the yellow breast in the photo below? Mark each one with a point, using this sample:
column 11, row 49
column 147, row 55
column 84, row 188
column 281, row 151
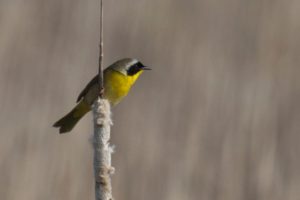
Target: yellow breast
column 117, row 85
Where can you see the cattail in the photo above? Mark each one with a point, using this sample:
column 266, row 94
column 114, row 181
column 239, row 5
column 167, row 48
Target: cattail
column 102, row 122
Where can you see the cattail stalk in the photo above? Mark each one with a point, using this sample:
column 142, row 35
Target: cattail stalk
column 102, row 150
column 102, row 123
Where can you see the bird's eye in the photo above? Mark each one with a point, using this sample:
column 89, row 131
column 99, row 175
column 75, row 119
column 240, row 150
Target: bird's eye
column 134, row 69
column 140, row 65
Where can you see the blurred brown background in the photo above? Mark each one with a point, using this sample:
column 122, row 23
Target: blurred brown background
column 217, row 119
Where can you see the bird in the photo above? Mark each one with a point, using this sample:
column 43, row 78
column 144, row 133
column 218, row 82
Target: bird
column 118, row 79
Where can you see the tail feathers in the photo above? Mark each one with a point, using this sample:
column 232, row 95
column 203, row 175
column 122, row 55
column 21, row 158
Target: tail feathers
column 67, row 123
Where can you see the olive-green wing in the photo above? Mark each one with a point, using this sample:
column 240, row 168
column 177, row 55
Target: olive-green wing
column 86, row 89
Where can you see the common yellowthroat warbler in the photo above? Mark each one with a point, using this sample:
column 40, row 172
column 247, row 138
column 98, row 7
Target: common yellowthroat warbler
column 117, row 79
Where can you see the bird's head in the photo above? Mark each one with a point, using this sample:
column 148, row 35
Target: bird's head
column 129, row 66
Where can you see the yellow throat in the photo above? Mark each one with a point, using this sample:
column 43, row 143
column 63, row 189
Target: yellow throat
column 117, row 85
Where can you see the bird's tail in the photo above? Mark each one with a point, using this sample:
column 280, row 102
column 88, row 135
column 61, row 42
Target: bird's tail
column 67, row 123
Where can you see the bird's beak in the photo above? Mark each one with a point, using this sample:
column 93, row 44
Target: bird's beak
column 146, row 68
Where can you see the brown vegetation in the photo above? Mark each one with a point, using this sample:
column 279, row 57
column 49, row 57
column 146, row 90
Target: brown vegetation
column 217, row 117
